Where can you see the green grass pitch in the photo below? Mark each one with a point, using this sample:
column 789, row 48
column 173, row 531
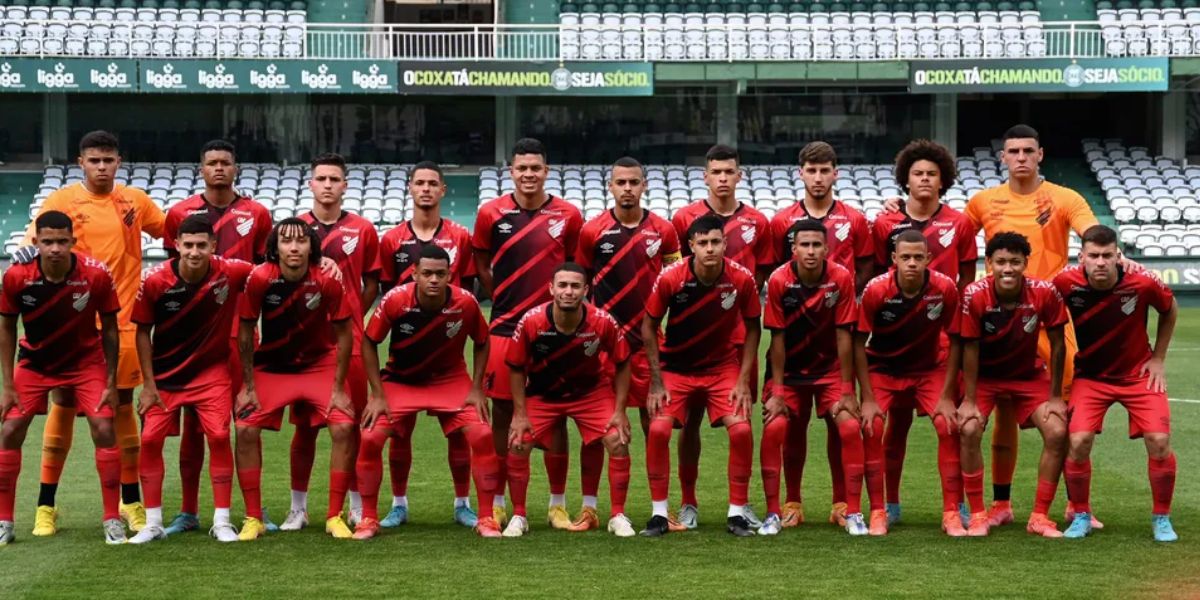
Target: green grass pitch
column 432, row 557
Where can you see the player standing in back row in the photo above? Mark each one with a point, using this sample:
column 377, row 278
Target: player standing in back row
column 520, row 239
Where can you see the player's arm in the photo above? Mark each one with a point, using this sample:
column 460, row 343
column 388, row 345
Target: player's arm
column 741, row 392
column 370, row 292
column 845, row 350
column 621, row 386
column 376, row 402
column 864, row 271
column 154, row 220
column 774, row 407
column 1162, row 339
column 145, row 351
column 966, row 274
column 483, row 271
column 1058, row 363
column 656, row 396
column 247, row 401
column 946, row 404
column 338, row 399
column 110, row 340
column 8, row 355
column 969, row 356
column 870, row 410
column 519, row 427
column 476, row 397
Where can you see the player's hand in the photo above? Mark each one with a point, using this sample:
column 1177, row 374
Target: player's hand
column 25, row 255
column 339, row 400
column 848, row 403
column 945, row 409
column 968, row 410
column 517, row 430
column 330, row 268
column 147, row 399
column 892, row 204
column 739, row 399
column 478, row 402
column 8, row 400
column 109, row 397
column 870, row 411
column 1056, row 407
column 773, row 408
column 247, row 403
column 620, row 422
column 1155, row 373
column 376, row 407
column 656, row 398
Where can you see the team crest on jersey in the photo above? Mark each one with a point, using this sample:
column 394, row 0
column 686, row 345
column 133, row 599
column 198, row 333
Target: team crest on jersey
column 591, row 347
column 841, row 232
column 221, row 293
column 728, row 299
column 1030, row 323
column 748, row 233
column 945, row 238
column 453, row 327
column 452, row 251
column 652, row 247
column 312, row 301
column 1129, row 305
column 831, row 298
column 556, row 227
column 80, row 301
column 934, row 311
column 349, row 244
column 607, row 248
column 405, row 328
column 244, row 226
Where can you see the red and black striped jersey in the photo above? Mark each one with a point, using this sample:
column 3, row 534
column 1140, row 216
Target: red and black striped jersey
column 297, row 316
column 400, row 249
column 906, row 332
column 847, row 234
column 1008, row 337
column 950, row 235
column 241, row 228
column 426, row 345
column 809, row 318
column 747, row 237
column 565, row 366
column 352, row 242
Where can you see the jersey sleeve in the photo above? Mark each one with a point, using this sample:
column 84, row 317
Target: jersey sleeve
column 370, row 252
column 846, row 311
column 1159, row 295
column 1079, row 214
column 660, row 295
column 879, row 239
column 680, row 224
column 763, row 255
column 776, row 236
column 773, row 317
column 466, row 256
column 106, row 289
column 748, row 299
column 387, row 269
column 670, row 242
column 950, row 318
column 587, row 242
column 8, row 293
column 143, row 304
column 250, row 303
column 380, row 323
column 864, row 246
column 481, row 241
column 517, row 354
column 976, row 207
column 967, row 250
column 153, row 219
column 334, row 301
column 171, row 227
column 968, row 316
column 262, row 230
column 866, row 312
column 1054, row 310
column 571, row 236
column 239, row 272
column 479, row 325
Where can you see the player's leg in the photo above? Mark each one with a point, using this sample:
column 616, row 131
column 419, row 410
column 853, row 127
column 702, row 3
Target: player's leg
column 741, row 459
column 108, row 467
column 1089, row 403
column 485, row 467
column 689, row 465
column 156, row 424
column 129, row 377
column 895, row 443
column 458, row 456
column 400, row 465
column 369, row 469
column 191, row 463
column 658, row 450
column 618, row 484
column 1004, row 463
column 213, row 414
column 301, row 456
column 518, row 484
column 770, row 459
column 853, row 459
column 12, row 437
column 927, row 391
column 342, row 428
column 591, row 469
column 501, row 419
column 874, row 451
column 795, row 453
column 248, row 458
column 57, row 435
column 1054, row 451
column 356, row 385
column 557, row 463
column 970, row 435
column 1150, row 419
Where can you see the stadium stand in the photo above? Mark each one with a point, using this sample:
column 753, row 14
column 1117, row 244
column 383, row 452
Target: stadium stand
column 1149, row 28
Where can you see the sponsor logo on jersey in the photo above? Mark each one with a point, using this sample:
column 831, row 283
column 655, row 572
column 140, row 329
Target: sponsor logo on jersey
column 504, row 227
column 405, row 328
column 989, row 327
column 28, row 300
column 607, row 248
column 273, row 299
column 172, row 306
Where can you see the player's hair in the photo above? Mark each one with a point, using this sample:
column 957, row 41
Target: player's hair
column 805, row 225
column 932, row 152
column 721, row 152
column 628, row 161
column 427, row 165
column 219, row 146
column 330, row 158
column 100, row 140
column 1100, row 235
column 293, row 224
column 196, row 224
column 53, row 219
column 1010, row 241
column 433, row 252
column 570, row 267
column 529, row 146
column 1021, row 132
column 817, row 153
column 910, row 236
column 704, row 225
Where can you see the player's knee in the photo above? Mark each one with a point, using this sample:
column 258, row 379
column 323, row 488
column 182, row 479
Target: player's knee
column 740, row 431
column 612, row 444
column 942, row 427
column 1158, row 445
column 218, row 440
column 247, row 436
column 12, row 433
column 1080, row 445
column 157, row 438
column 661, row 429
column 1054, row 436
column 971, row 432
column 103, row 433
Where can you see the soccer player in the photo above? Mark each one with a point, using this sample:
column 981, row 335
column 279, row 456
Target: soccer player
column 557, row 371
column 706, row 298
column 925, row 171
column 904, row 313
column 624, row 249
column 1110, row 304
column 848, row 243
column 746, row 243
column 429, row 320
column 303, row 358
column 185, row 308
column 58, row 297
column 519, row 240
column 811, row 312
column 399, row 252
column 351, row 242
column 240, row 229
column 999, row 324
column 109, row 220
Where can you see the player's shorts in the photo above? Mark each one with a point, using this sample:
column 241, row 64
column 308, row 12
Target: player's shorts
column 1024, row 395
column 591, row 414
column 639, row 378
column 87, row 382
column 210, row 402
column 310, row 387
column 824, row 393
column 495, row 377
column 234, row 365
column 921, row 390
column 356, row 383
column 440, row 398
column 1149, row 412
column 710, row 389
column 129, row 370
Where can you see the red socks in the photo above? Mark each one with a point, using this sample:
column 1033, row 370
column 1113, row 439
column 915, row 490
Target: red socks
column 399, row 464
column 191, row 463
column 339, row 484
column 795, row 454
column 108, row 466
column 151, row 469
column 250, row 480
column 518, row 481
column 874, row 464
column 556, row 471
column 220, row 471
column 1079, row 483
column 741, row 460
column 852, row 461
column 458, row 455
column 973, row 487
column 591, row 467
column 1162, row 483
column 618, row 482
column 895, row 441
column 1045, row 495
column 658, row 458
column 833, row 451
column 10, row 470
column 770, row 458
column 484, row 466
column 304, row 451
column 370, row 469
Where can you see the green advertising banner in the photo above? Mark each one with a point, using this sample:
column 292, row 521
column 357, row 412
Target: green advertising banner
column 1181, row 274
column 264, row 76
column 1040, row 75
column 500, row 78
column 74, row 75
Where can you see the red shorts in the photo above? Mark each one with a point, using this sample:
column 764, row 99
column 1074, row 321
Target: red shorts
column 33, row 389
column 310, row 387
column 922, row 390
column 441, row 398
column 356, row 384
column 824, row 393
column 1149, row 411
column 591, row 414
column 709, row 389
column 495, row 377
column 639, row 378
column 235, row 368
column 1025, row 395
column 211, row 404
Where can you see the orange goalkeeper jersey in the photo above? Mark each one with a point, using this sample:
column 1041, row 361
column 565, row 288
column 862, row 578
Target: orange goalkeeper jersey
column 109, row 227
column 1046, row 217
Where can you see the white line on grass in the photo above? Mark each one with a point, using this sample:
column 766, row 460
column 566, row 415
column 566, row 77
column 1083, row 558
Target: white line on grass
column 1185, row 400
